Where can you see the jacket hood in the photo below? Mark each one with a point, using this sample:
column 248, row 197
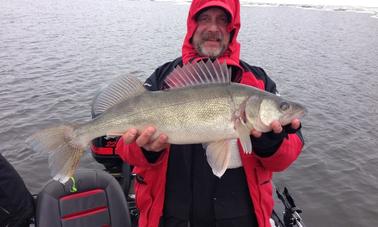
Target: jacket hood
column 231, row 55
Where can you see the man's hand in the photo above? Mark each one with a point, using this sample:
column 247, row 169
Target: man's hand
column 144, row 139
column 277, row 127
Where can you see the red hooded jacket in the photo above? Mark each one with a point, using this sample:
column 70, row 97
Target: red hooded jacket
column 258, row 170
column 231, row 56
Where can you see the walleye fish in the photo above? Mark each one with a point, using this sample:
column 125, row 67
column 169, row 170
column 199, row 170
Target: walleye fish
column 201, row 105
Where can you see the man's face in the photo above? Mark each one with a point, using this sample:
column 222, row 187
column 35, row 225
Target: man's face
column 211, row 38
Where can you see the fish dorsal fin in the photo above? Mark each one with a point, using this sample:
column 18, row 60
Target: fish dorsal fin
column 197, row 73
column 119, row 90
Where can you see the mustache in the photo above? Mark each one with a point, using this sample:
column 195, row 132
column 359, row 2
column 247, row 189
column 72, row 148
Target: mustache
column 213, row 36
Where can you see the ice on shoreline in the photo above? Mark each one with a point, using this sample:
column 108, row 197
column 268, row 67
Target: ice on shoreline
column 308, row 6
column 338, row 8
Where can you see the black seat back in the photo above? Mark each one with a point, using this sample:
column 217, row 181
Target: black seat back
column 92, row 198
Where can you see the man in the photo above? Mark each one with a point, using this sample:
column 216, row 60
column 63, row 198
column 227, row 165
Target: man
column 175, row 185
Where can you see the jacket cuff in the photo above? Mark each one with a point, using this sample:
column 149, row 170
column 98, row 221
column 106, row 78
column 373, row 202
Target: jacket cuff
column 151, row 157
column 267, row 144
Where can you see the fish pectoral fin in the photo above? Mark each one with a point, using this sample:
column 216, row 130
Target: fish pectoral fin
column 218, row 156
column 244, row 136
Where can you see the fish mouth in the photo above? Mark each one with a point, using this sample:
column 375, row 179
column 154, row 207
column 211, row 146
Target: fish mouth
column 296, row 115
column 300, row 113
column 297, row 111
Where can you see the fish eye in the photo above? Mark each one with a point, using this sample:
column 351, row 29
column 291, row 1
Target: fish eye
column 284, row 106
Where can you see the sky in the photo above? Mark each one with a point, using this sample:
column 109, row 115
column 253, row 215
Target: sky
column 366, row 3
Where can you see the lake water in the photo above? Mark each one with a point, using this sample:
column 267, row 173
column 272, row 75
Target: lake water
column 55, row 55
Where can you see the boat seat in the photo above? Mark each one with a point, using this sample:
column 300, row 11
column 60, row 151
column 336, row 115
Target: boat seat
column 92, row 198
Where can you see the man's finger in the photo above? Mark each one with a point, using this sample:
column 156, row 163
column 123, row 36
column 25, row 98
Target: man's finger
column 130, row 136
column 276, row 127
column 256, row 133
column 295, row 123
column 145, row 136
column 159, row 144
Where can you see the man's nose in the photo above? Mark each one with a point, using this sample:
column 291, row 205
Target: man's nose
column 213, row 26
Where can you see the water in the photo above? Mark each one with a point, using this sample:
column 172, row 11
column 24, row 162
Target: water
column 55, row 55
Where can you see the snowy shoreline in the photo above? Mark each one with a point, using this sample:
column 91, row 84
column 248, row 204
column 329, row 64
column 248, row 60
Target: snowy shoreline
column 309, row 5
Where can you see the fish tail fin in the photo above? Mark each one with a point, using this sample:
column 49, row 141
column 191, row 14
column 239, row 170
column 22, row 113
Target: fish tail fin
column 63, row 148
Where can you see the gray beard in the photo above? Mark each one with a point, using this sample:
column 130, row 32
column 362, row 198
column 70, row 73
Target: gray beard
column 213, row 53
